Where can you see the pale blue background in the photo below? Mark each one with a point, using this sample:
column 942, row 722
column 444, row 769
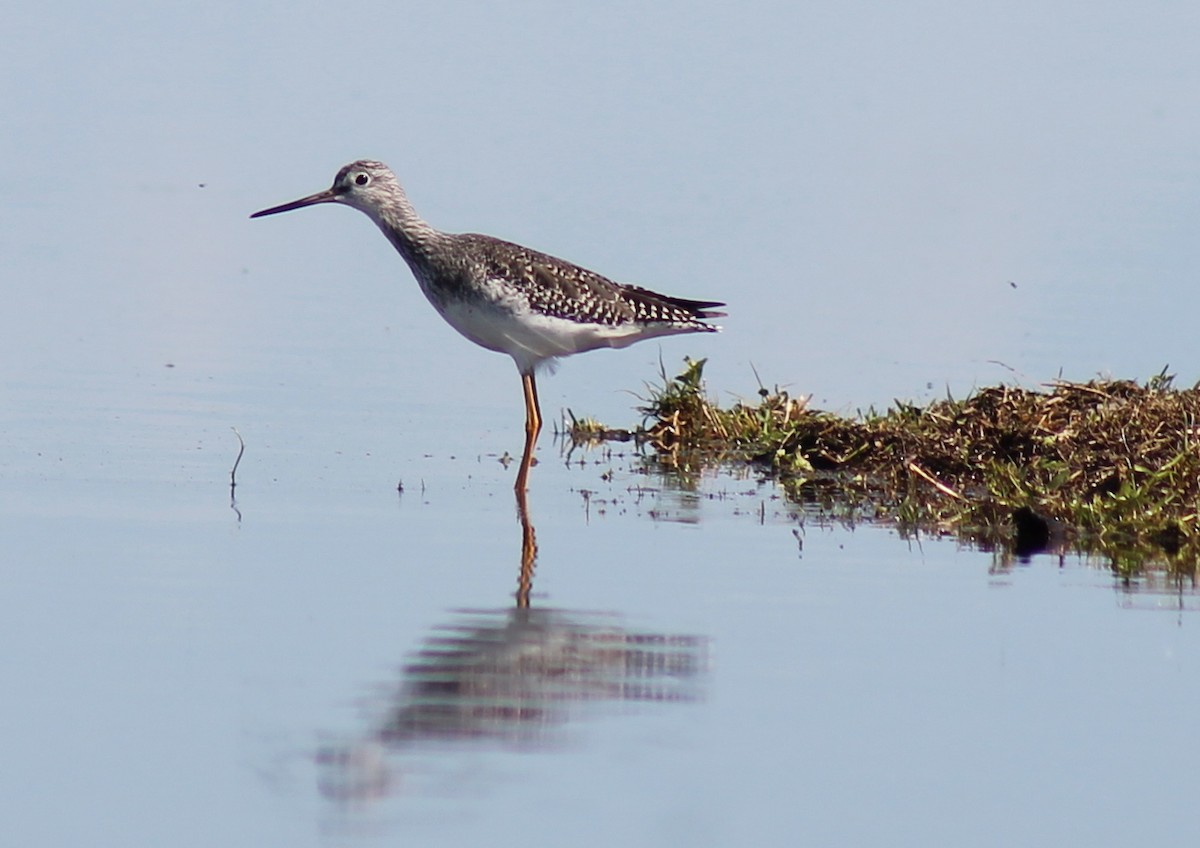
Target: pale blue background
column 860, row 182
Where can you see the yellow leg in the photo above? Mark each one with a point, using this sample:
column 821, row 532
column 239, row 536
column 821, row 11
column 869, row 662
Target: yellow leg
column 533, row 426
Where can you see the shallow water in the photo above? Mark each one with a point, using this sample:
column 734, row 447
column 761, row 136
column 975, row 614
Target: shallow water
column 335, row 662
column 894, row 204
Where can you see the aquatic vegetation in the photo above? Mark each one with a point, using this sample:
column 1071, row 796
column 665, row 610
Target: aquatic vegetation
column 1108, row 467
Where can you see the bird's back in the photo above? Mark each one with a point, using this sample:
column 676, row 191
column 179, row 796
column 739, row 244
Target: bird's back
column 560, row 289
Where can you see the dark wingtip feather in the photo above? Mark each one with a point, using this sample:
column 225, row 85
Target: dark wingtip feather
column 699, row 308
column 705, row 312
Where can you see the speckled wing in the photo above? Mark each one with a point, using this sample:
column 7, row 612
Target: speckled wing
column 561, row 289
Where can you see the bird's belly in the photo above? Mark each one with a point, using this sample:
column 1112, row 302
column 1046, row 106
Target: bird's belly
column 531, row 338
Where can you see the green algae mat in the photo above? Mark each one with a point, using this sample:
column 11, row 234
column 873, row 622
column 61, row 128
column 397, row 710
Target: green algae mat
column 1105, row 468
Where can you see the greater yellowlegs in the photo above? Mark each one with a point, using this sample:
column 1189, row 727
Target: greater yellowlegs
column 508, row 298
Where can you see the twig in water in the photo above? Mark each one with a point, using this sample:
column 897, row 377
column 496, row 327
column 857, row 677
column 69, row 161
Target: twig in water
column 936, row 483
column 241, row 450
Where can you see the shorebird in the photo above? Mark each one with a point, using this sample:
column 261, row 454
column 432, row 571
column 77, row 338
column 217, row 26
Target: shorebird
column 507, row 298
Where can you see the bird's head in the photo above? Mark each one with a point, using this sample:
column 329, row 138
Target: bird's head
column 365, row 185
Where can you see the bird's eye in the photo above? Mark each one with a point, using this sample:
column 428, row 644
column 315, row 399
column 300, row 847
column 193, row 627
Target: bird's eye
column 361, row 179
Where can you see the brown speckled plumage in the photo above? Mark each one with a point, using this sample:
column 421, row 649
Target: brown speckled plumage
column 558, row 288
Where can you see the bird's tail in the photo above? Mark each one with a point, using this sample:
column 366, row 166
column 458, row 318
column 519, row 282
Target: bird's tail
column 699, row 308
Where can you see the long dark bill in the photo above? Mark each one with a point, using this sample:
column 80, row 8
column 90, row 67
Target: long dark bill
column 326, row 196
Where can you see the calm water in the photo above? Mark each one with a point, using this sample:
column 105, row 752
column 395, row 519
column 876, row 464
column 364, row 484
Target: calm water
column 346, row 664
column 894, row 203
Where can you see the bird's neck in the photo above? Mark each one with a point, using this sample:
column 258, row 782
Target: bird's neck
column 412, row 236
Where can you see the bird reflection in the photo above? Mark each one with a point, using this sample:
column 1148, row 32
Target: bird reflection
column 511, row 678
column 528, row 535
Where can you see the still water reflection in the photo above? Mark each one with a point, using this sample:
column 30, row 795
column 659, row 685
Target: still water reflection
column 512, row 678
